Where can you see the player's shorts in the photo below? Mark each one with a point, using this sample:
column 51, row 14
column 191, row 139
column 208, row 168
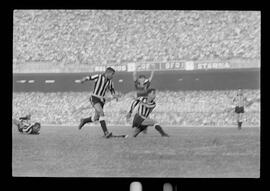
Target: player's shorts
column 239, row 109
column 137, row 122
column 141, row 94
column 94, row 100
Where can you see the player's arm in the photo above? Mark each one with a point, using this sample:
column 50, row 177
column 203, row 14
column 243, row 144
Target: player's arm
column 151, row 77
column 148, row 105
column 134, row 75
column 133, row 105
column 25, row 130
column 87, row 78
column 248, row 103
column 112, row 90
column 234, row 100
column 111, row 87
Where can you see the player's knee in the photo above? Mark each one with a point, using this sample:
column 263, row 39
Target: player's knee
column 102, row 118
column 157, row 125
column 153, row 122
column 96, row 117
column 101, row 113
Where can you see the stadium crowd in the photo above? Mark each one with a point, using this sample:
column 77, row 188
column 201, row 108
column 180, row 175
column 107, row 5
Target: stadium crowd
column 87, row 37
column 79, row 38
column 183, row 108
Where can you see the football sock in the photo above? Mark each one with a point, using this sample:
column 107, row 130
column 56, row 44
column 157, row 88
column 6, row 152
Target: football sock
column 103, row 125
column 136, row 133
column 88, row 120
column 160, row 130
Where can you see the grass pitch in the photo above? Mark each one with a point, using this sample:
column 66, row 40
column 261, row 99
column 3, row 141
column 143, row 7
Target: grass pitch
column 194, row 152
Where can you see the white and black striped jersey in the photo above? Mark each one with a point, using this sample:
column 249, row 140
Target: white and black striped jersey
column 102, row 84
column 240, row 100
column 26, row 127
column 144, row 108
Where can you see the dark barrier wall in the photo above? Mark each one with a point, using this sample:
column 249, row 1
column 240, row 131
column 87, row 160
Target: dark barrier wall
column 163, row 80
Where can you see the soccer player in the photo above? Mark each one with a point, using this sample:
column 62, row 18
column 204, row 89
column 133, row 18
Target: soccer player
column 103, row 82
column 141, row 84
column 240, row 101
column 26, row 127
column 141, row 119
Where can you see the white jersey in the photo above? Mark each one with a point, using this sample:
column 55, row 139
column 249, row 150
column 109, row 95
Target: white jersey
column 239, row 100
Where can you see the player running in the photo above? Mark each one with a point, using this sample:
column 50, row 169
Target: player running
column 103, row 82
column 141, row 119
column 141, row 84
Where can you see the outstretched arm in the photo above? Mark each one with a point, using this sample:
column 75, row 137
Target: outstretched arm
column 248, row 103
column 135, row 75
column 88, row 78
column 152, row 75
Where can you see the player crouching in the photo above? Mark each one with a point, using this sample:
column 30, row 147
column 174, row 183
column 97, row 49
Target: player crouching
column 141, row 119
column 26, row 127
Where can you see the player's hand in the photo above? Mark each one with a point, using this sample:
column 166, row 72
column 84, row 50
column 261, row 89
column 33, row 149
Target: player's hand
column 83, row 80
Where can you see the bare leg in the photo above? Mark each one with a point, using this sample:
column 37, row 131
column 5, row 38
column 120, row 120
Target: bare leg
column 102, row 119
column 151, row 122
column 89, row 120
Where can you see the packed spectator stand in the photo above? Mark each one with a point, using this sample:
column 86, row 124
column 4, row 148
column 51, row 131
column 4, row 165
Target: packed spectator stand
column 183, row 108
column 80, row 38
column 77, row 39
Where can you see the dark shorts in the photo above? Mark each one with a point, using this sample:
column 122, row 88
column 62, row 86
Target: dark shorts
column 137, row 122
column 94, row 100
column 239, row 109
column 141, row 94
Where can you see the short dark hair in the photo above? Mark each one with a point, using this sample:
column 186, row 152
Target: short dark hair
column 110, row 69
column 151, row 90
column 142, row 76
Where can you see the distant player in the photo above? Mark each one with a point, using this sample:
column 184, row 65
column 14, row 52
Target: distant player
column 240, row 102
column 25, row 126
column 141, row 119
column 141, row 84
column 103, row 82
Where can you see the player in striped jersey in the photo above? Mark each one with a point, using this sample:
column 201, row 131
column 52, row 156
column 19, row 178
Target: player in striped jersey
column 25, row 126
column 142, row 84
column 240, row 102
column 141, row 119
column 103, row 82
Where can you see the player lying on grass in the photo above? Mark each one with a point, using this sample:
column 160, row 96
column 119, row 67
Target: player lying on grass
column 141, row 119
column 103, row 82
column 25, row 126
column 141, row 84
